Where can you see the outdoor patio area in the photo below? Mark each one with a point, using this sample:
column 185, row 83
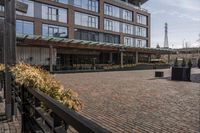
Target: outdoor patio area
column 136, row 101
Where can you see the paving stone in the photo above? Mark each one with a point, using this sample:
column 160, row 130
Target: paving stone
column 136, row 102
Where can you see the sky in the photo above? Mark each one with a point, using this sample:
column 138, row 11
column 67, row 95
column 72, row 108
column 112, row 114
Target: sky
column 183, row 18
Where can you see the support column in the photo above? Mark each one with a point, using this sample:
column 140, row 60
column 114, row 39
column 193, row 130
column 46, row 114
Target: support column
column 168, row 58
column 149, row 58
column 136, row 57
column 122, row 59
column 111, row 58
column 51, row 58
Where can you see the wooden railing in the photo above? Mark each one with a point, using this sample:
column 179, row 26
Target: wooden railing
column 41, row 113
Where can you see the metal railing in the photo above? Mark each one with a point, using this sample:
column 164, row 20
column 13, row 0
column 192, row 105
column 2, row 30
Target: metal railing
column 42, row 114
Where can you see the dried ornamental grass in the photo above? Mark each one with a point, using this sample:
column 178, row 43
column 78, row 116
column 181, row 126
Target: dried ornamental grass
column 2, row 67
column 35, row 77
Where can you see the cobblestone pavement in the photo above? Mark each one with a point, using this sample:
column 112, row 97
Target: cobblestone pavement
column 136, row 102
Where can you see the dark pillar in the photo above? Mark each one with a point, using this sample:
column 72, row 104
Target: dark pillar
column 122, row 59
column 51, row 58
column 10, row 51
column 111, row 58
column 136, row 57
column 168, row 59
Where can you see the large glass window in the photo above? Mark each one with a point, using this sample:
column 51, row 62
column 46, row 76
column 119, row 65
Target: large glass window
column 92, row 5
column 111, row 10
column 54, row 13
column 141, row 19
column 141, row 43
column 24, row 27
column 54, row 31
column 1, row 8
column 127, row 15
column 140, row 31
column 111, row 25
column 129, row 41
column 61, row 1
column 86, row 35
column 110, row 38
column 30, row 11
column 86, row 20
column 128, row 29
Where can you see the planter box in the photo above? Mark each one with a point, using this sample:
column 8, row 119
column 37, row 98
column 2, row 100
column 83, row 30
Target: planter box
column 181, row 74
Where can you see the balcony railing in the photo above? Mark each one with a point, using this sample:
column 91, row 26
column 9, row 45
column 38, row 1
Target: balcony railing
column 130, row 5
column 41, row 113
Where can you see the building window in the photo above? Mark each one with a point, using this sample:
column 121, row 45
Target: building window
column 86, row 35
column 141, row 19
column 54, row 13
column 30, row 11
column 127, row 15
column 92, row 5
column 141, row 31
column 24, row 27
column 128, row 29
column 111, row 10
column 110, row 38
column 129, row 41
column 86, row 20
column 54, row 31
column 141, row 43
column 61, row 1
column 92, row 21
column 111, row 25
column 1, row 8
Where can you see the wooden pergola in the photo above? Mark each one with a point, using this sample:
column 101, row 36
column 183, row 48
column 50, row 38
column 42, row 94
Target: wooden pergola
column 37, row 40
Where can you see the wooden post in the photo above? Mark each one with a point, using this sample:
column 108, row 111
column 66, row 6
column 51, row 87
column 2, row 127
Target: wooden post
column 10, row 52
column 1, row 41
column 51, row 58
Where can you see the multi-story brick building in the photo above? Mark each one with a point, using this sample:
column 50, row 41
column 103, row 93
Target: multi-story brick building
column 72, row 33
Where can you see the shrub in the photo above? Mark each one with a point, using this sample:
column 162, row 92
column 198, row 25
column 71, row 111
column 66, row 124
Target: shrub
column 2, row 67
column 35, row 77
column 189, row 63
column 183, row 63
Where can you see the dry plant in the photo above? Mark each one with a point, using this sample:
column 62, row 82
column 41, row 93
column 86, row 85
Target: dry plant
column 37, row 78
column 2, row 67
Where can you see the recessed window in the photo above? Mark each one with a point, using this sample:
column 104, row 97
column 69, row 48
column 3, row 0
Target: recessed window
column 54, row 31
column 86, row 20
column 54, row 13
column 141, row 31
column 111, row 25
column 24, row 27
column 141, row 19
column 92, row 5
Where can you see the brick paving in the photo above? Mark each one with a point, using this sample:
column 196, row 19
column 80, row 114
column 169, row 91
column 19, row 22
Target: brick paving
column 136, row 102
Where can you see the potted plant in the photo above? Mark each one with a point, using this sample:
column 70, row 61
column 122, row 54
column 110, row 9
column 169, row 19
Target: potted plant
column 183, row 63
column 176, row 63
column 190, row 63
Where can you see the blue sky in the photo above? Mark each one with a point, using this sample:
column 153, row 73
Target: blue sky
column 183, row 18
